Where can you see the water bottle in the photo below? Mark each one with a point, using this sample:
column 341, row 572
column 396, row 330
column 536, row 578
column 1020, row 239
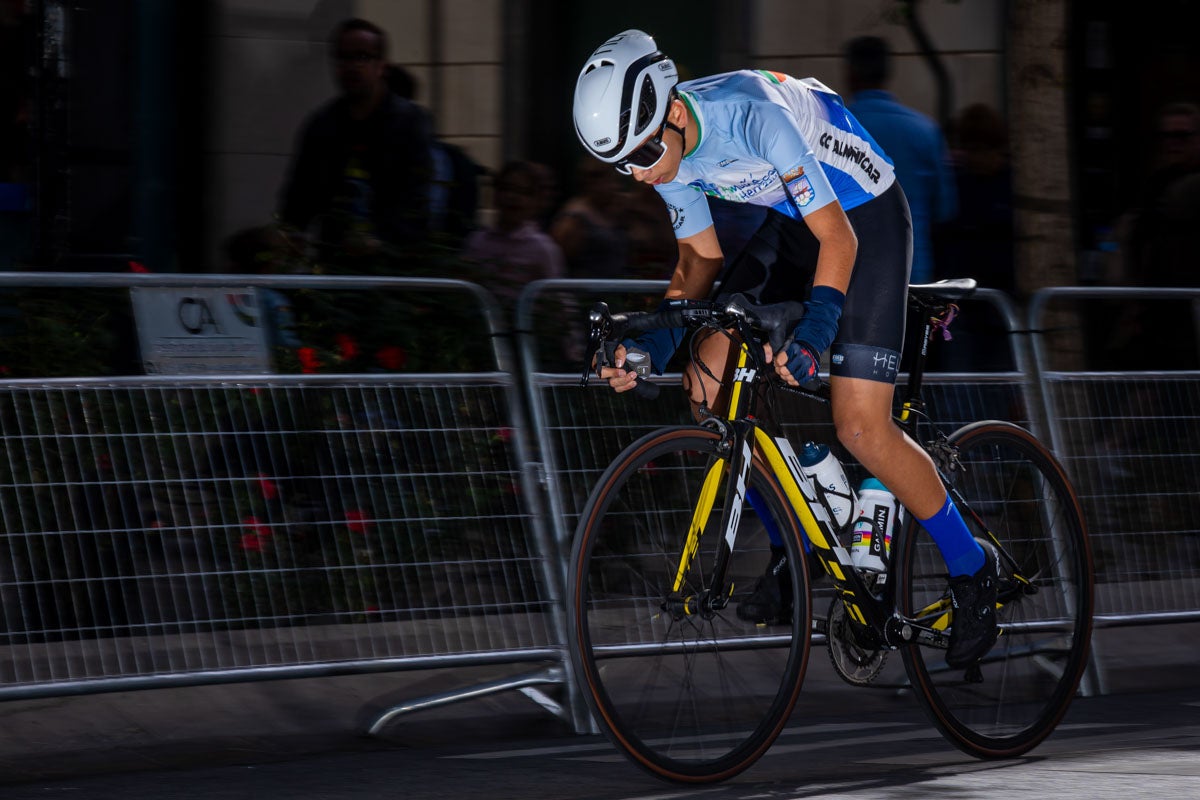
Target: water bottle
column 878, row 514
column 826, row 471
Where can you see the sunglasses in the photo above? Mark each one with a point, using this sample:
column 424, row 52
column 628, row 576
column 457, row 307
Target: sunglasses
column 356, row 58
column 645, row 156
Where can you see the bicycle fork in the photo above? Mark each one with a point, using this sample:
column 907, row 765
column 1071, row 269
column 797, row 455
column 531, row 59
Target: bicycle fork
column 735, row 470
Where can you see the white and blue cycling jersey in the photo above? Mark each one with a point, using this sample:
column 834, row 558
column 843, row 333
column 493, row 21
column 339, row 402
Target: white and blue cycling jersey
column 772, row 140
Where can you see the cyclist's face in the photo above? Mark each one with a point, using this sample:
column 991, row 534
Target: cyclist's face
column 668, row 166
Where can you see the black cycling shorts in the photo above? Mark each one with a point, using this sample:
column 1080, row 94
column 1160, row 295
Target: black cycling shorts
column 779, row 260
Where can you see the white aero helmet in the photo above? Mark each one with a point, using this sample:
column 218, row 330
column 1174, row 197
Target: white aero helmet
column 622, row 95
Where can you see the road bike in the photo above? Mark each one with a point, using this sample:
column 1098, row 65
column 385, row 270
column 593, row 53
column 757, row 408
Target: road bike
column 668, row 546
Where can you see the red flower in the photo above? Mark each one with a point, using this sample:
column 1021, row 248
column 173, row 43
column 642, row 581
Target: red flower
column 252, row 542
column 357, row 521
column 347, row 347
column 267, row 486
column 258, row 535
column 137, row 266
column 309, row 362
column 391, row 357
column 4, row 370
column 504, row 435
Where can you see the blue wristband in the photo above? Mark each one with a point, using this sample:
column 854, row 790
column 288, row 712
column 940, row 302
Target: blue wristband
column 819, row 325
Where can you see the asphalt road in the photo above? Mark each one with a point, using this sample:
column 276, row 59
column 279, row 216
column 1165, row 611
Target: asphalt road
column 842, row 743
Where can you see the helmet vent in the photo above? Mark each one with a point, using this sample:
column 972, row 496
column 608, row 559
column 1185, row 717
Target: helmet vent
column 647, row 104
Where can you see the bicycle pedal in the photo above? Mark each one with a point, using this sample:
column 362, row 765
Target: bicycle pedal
column 973, row 673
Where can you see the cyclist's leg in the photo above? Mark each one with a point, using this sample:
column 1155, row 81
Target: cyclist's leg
column 865, row 361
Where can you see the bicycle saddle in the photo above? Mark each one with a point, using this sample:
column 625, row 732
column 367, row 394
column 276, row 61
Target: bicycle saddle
column 952, row 289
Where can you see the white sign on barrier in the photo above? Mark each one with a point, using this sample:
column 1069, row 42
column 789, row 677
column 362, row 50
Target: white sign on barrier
column 197, row 331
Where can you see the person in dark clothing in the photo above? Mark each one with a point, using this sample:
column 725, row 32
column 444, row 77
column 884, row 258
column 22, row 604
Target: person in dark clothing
column 361, row 174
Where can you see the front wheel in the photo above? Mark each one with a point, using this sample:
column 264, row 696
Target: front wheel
column 1008, row 486
column 675, row 678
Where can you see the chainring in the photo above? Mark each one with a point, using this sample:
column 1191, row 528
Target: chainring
column 857, row 664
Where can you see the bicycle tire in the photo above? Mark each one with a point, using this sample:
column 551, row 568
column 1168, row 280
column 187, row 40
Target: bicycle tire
column 1025, row 684
column 695, row 699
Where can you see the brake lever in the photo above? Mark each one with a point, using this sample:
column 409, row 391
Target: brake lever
column 600, row 325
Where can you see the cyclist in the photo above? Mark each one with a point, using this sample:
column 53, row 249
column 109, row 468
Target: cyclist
column 837, row 235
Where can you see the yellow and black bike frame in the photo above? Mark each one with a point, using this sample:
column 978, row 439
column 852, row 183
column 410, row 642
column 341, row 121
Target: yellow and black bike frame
column 747, row 440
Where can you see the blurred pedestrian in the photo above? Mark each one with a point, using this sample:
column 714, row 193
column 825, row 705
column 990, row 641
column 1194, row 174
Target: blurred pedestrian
column 454, row 185
column 914, row 142
column 588, row 227
column 515, row 251
column 361, row 172
column 978, row 241
column 1162, row 228
column 1159, row 250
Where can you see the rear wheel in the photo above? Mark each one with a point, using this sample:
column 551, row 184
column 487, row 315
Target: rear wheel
column 688, row 690
column 1015, row 489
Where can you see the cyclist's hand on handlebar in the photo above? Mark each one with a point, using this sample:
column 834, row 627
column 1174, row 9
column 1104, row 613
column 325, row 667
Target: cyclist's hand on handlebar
column 805, row 375
column 797, row 365
column 620, row 379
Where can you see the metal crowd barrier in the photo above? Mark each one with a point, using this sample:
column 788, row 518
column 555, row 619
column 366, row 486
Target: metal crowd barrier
column 1129, row 434
column 162, row 531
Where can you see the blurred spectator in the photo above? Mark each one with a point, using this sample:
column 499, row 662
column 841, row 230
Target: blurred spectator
column 454, row 190
column 361, row 173
column 912, row 140
column 588, row 228
column 515, row 251
column 548, row 189
column 978, row 241
column 1157, row 243
column 1161, row 229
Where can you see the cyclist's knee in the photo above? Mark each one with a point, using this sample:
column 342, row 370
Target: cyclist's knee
column 863, row 429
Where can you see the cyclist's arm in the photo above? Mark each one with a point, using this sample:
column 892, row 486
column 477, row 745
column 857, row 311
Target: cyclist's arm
column 839, row 246
column 700, row 260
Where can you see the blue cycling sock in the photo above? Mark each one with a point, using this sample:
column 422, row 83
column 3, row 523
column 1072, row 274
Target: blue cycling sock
column 962, row 553
column 759, row 504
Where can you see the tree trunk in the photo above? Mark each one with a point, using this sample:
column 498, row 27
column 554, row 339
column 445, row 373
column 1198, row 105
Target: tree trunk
column 1044, row 250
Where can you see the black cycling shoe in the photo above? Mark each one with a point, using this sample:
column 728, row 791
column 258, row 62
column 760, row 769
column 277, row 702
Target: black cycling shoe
column 973, row 629
column 771, row 601
column 766, row 604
